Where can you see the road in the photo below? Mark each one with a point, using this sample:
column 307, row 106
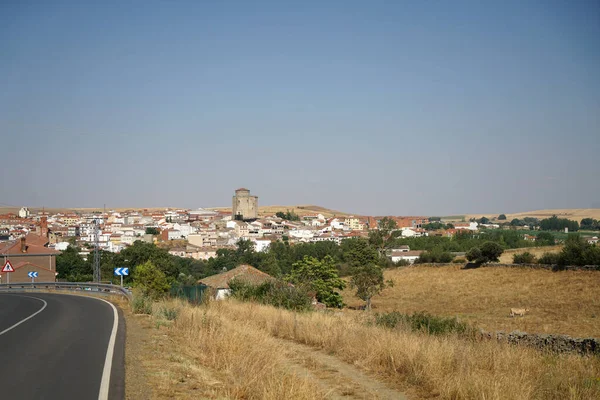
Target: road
column 55, row 346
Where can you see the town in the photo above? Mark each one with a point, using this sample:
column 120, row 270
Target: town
column 34, row 240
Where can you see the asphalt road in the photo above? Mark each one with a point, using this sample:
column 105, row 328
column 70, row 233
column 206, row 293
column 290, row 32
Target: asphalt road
column 55, row 346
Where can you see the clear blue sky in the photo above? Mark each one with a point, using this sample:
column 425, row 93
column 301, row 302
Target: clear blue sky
column 372, row 107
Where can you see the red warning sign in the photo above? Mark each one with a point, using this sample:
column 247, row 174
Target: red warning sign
column 8, row 267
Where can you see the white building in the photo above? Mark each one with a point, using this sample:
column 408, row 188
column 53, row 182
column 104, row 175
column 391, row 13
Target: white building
column 409, row 256
column 261, row 245
column 24, row 212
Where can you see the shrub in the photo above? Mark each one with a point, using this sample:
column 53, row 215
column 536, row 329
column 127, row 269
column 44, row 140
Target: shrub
column 150, row 280
column 459, row 260
column 423, row 322
column 434, row 256
column 141, row 304
column 168, row 312
column 275, row 293
column 402, row 263
column 549, row 258
column 524, row 258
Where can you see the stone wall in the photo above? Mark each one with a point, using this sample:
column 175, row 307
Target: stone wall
column 547, row 342
column 534, row 266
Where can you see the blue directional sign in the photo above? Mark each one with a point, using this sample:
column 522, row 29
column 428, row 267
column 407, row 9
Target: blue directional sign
column 121, row 271
column 32, row 274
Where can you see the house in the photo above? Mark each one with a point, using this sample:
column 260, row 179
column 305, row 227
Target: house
column 26, row 251
column 593, row 240
column 354, row 223
column 530, row 238
column 401, row 249
column 22, row 269
column 220, row 282
column 261, row 245
column 409, row 256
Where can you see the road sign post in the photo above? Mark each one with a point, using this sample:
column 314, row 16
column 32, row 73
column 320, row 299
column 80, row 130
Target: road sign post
column 32, row 275
column 121, row 272
column 8, row 268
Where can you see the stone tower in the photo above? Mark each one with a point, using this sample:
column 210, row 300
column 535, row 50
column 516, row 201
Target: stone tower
column 245, row 207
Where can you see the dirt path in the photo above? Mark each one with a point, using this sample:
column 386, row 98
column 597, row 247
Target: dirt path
column 338, row 379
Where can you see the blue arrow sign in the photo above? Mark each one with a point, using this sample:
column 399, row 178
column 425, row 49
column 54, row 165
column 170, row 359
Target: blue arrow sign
column 32, row 274
column 121, row 271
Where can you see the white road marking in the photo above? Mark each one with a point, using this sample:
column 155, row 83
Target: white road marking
column 108, row 361
column 31, row 316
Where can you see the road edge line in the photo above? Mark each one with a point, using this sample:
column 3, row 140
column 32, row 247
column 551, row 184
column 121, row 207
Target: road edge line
column 108, row 361
column 28, row 318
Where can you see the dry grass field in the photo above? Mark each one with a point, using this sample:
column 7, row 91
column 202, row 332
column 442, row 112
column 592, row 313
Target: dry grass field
column 249, row 351
column 576, row 214
column 507, row 256
column 566, row 302
column 298, row 209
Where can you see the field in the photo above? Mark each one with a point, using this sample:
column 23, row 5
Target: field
column 507, row 256
column 576, row 214
column 301, row 210
column 235, row 350
column 566, row 302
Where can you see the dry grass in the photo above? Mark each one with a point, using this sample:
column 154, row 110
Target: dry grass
column 576, row 214
column 205, row 354
column 447, row 367
column 566, row 302
column 507, row 256
column 300, row 210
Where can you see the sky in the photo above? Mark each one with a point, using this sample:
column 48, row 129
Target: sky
column 368, row 107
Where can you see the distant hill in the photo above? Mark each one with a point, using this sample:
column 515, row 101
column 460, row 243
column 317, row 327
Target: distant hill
column 576, row 214
column 298, row 209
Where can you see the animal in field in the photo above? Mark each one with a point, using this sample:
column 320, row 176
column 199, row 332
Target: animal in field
column 518, row 311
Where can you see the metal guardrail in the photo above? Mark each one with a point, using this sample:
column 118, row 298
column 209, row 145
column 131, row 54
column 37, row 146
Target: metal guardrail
column 79, row 286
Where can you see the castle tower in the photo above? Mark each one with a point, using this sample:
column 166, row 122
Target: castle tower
column 245, row 207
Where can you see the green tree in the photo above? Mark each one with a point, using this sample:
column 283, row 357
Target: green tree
column 320, row 277
column 524, row 258
column 357, row 252
column 474, row 255
column 545, row 239
column 590, row 224
column 483, row 220
column 502, row 217
column 383, row 237
column 488, row 252
column 72, row 267
column 152, row 231
column 368, row 282
column 150, row 280
column 491, row 251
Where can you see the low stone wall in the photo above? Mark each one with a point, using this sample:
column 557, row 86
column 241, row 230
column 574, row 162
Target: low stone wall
column 554, row 343
column 549, row 267
column 534, row 266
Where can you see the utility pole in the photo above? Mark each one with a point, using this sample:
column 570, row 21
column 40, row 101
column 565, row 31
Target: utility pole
column 97, row 275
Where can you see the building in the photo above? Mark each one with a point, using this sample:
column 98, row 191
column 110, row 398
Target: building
column 220, row 282
column 245, row 207
column 410, row 256
column 24, row 252
column 24, row 212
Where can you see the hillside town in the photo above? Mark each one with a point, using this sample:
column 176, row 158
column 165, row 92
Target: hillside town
column 197, row 233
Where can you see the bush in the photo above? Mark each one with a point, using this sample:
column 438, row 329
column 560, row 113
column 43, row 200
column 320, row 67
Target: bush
column 141, row 304
column 459, row 260
column 423, row 322
column 150, row 280
column 402, row 263
column 524, row 258
column 275, row 293
column 434, row 256
column 168, row 313
column 549, row 258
